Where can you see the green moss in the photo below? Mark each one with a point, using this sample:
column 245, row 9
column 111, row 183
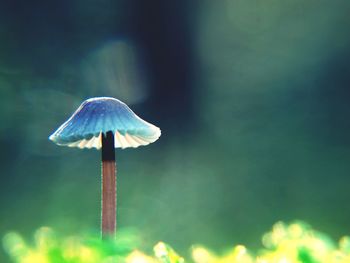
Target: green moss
column 287, row 243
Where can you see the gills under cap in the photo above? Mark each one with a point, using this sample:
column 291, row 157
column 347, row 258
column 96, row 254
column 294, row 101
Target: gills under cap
column 97, row 116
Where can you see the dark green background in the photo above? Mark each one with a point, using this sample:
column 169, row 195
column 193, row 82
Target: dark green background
column 252, row 98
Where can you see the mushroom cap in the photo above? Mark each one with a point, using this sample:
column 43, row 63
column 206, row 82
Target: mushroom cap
column 97, row 116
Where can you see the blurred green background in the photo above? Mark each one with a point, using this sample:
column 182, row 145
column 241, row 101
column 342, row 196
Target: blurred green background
column 252, row 98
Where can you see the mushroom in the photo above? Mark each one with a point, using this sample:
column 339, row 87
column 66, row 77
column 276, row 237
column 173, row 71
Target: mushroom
column 106, row 123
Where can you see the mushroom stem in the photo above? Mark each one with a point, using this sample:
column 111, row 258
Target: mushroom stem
column 109, row 190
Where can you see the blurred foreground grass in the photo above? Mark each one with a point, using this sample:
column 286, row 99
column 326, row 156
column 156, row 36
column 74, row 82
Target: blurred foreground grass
column 285, row 243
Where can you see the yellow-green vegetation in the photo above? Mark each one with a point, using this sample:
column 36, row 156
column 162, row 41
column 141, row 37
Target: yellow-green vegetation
column 293, row 243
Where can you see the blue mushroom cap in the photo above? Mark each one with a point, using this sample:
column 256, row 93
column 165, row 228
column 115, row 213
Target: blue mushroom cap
column 97, row 116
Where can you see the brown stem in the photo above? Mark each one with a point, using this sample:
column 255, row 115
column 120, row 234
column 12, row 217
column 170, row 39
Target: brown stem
column 109, row 190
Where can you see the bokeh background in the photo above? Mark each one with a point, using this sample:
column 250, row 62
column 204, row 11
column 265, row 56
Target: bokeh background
column 252, row 98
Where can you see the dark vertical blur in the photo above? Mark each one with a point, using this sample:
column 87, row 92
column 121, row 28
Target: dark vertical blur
column 333, row 98
column 164, row 31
